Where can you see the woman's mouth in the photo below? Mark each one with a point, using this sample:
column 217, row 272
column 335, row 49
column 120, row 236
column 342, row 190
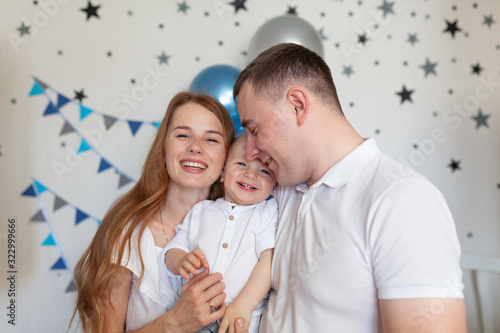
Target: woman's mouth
column 194, row 165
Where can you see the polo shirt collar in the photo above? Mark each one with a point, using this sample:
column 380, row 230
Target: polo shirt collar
column 346, row 168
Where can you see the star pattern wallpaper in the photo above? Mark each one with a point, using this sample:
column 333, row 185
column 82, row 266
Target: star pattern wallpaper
column 84, row 85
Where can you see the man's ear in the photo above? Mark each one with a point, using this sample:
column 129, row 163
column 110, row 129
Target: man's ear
column 299, row 101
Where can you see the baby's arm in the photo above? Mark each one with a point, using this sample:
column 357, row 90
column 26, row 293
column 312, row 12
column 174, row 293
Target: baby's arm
column 180, row 262
column 252, row 294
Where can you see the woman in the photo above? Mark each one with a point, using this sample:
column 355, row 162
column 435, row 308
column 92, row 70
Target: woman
column 120, row 279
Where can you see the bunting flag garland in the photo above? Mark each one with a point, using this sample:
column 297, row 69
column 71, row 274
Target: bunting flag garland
column 40, row 88
column 35, row 189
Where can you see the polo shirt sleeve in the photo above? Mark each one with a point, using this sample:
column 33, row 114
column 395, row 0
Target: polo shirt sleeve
column 180, row 241
column 415, row 251
column 266, row 235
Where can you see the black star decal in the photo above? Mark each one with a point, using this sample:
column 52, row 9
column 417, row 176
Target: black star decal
column 109, row 54
column 377, row 131
column 481, row 119
column 292, row 10
column 160, row 25
column 476, row 69
column 207, row 14
column 91, row 10
column 405, row 94
column 498, row 185
column 454, row 165
column 452, row 27
column 132, row 81
column 362, row 39
column 238, row 4
column 35, row 3
column 24, row 29
column 474, row 5
column 80, row 95
column 130, row 13
column 60, row 52
column 236, row 24
column 221, row 43
column 13, row 101
column 470, row 234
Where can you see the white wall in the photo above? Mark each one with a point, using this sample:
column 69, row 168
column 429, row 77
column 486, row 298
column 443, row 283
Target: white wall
column 68, row 52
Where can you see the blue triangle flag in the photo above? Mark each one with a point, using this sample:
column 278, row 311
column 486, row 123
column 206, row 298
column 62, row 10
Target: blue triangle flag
column 36, row 90
column 50, row 109
column 40, row 188
column 157, row 124
column 99, row 222
column 134, row 126
column 61, row 100
column 60, row 264
column 84, row 146
column 30, row 191
column 103, row 165
column 49, row 241
column 84, row 112
column 80, row 216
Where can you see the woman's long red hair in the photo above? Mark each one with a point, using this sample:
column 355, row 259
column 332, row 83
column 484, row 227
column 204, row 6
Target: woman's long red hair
column 95, row 271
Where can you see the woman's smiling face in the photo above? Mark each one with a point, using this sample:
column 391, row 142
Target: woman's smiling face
column 194, row 147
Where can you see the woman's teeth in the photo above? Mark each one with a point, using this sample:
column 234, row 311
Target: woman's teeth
column 194, row 165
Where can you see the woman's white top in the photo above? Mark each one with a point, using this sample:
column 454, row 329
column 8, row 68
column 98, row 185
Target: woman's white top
column 157, row 292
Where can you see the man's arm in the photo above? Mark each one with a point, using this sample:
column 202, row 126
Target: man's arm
column 423, row 315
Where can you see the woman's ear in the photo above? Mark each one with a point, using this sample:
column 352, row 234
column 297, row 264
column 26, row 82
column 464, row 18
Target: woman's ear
column 298, row 99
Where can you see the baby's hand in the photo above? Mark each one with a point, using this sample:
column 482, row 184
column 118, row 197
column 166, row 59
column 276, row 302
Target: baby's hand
column 192, row 262
column 234, row 311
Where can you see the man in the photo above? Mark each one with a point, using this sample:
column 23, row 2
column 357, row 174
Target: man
column 364, row 244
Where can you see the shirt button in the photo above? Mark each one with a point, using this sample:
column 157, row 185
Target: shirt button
column 231, row 217
column 224, row 245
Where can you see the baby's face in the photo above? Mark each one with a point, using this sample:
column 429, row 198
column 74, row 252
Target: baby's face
column 246, row 182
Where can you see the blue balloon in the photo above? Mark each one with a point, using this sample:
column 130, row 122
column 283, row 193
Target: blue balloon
column 218, row 81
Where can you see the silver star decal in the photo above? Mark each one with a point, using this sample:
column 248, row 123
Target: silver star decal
column 429, row 67
column 488, row 20
column 348, row 71
column 386, row 7
column 163, row 58
column 481, row 119
column 412, row 39
column 24, row 29
column 183, row 7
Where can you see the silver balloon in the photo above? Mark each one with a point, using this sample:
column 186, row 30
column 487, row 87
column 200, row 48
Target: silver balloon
column 285, row 29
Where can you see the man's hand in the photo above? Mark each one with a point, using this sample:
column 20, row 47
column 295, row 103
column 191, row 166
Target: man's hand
column 240, row 326
column 234, row 311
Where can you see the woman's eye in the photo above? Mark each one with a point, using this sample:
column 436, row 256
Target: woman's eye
column 212, row 140
column 182, row 135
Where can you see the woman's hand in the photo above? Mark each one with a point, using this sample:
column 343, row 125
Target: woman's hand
column 234, row 311
column 192, row 262
column 197, row 302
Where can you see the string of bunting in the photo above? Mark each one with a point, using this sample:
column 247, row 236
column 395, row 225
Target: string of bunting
column 35, row 189
column 39, row 87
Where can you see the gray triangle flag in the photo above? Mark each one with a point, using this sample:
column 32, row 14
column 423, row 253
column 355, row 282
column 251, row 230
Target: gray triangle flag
column 123, row 181
column 71, row 287
column 42, row 84
column 38, row 217
column 58, row 203
column 66, row 129
column 109, row 121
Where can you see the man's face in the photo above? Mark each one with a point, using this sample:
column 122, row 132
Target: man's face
column 270, row 128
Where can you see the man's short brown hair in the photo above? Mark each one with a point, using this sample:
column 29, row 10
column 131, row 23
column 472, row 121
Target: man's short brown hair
column 285, row 65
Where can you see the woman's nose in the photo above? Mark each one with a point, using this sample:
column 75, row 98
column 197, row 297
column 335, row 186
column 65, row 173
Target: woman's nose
column 195, row 146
